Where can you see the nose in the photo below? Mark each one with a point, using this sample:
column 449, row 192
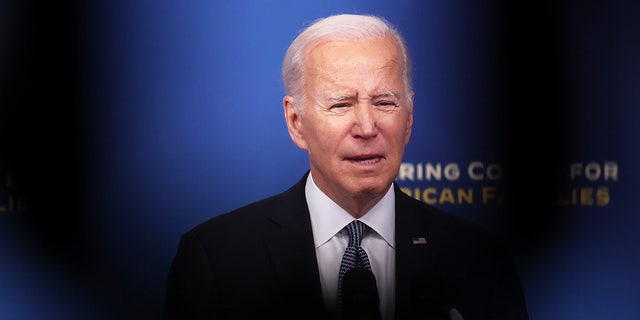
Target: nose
column 365, row 122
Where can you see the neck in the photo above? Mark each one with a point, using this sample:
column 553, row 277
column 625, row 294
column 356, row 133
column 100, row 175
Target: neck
column 356, row 204
column 359, row 207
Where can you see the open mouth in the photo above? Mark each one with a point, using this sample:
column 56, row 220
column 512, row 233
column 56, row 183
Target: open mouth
column 365, row 159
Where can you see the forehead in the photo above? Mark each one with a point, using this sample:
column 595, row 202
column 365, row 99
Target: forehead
column 359, row 62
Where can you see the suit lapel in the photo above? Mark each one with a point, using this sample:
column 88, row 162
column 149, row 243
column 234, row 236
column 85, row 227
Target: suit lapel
column 291, row 249
column 415, row 251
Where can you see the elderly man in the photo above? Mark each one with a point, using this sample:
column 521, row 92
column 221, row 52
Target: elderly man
column 344, row 242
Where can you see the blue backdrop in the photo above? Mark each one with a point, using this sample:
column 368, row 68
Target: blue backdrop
column 136, row 120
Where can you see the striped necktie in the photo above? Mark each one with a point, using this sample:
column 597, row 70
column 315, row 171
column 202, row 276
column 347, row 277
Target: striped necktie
column 361, row 296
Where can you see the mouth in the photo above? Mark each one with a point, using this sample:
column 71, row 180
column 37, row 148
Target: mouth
column 365, row 159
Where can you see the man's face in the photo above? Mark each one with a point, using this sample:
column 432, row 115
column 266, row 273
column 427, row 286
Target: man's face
column 356, row 118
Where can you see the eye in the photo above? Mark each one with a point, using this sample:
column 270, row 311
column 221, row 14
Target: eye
column 386, row 105
column 339, row 107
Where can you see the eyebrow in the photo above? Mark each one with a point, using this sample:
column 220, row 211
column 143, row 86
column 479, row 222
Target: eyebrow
column 385, row 94
column 342, row 97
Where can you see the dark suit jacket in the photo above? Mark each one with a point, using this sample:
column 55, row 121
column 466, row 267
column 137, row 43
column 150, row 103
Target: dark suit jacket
column 258, row 262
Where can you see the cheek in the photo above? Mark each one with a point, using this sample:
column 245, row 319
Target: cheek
column 321, row 134
column 325, row 127
column 396, row 129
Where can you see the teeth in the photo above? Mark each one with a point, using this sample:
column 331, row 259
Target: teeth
column 368, row 161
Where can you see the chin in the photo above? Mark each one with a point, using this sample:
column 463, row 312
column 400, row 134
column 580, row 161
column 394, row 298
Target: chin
column 368, row 188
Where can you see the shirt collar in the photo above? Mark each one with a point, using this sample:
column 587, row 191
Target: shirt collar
column 328, row 218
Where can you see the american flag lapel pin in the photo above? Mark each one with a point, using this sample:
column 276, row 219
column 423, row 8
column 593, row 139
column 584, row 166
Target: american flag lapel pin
column 419, row 240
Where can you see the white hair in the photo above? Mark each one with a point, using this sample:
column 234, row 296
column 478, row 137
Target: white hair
column 340, row 28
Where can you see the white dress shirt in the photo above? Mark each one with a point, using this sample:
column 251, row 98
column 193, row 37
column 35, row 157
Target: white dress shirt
column 328, row 220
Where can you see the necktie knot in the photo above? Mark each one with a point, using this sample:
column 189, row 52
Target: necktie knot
column 355, row 256
column 356, row 230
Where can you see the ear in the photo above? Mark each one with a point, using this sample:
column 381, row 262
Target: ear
column 407, row 134
column 294, row 122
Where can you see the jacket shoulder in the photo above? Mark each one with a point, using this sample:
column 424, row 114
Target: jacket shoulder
column 274, row 210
